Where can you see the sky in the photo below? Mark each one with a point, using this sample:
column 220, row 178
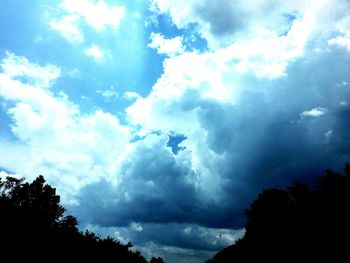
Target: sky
column 159, row 121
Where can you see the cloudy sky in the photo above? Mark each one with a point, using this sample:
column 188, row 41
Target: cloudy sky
column 159, row 121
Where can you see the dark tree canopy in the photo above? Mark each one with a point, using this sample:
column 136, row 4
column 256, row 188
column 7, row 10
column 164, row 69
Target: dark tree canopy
column 297, row 225
column 33, row 228
column 156, row 260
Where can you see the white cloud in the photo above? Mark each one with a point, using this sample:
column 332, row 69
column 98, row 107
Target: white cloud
column 343, row 34
column 315, row 112
column 94, row 52
column 70, row 148
column 131, row 95
column 68, row 27
column 19, row 67
column 223, row 22
column 97, row 14
column 109, row 94
column 136, row 227
column 227, row 101
column 80, row 13
column 343, row 41
column 169, row 47
column 235, row 105
column 4, row 174
column 263, row 45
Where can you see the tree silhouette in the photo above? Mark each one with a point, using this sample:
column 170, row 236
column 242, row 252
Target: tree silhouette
column 33, row 228
column 298, row 224
column 156, row 260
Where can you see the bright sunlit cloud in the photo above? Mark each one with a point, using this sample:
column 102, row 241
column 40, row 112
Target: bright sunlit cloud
column 164, row 46
column 97, row 14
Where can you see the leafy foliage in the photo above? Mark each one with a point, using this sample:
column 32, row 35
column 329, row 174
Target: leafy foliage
column 296, row 225
column 33, row 228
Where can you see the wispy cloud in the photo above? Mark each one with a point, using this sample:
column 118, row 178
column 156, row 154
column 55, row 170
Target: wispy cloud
column 131, row 95
column 69, row 28
column 109, row 94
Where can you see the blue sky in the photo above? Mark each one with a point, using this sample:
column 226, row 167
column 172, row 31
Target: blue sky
column 159, row 121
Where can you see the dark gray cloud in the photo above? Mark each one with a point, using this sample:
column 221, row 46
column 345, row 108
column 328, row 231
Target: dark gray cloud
column 173, row 241
column 266, row 141
column 224, row 17
column 154, row 187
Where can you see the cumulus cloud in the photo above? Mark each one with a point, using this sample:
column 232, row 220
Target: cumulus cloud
column 57, row 140
column 17, row 67
column 95, row 14
column 239, row 108
column 94, row 52
column 343, row 36
column 149, row 176
column 255, row 111
column 69, row 28
column 169, row 47
column 225, row 21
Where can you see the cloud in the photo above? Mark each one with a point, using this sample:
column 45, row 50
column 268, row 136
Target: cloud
column 109, row 94
column 246, row 108
column 182, row 243
column 53, row 137
column 131, row 95
column 78, row 13
column 315, row 112
column 169, row 47
column 69, row 28
column 343, row 38
column 150, row 177
column 18, row 67
column 239, row 108
column 94, row 52
column 225, row 21
column 4, row 174
column 97, row 14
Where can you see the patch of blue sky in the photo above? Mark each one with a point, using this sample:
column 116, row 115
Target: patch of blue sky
column 289, row 18
column 22, row 27
column 192, row 40
column 2, row 169
column 127, row 63
column 174, row 142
